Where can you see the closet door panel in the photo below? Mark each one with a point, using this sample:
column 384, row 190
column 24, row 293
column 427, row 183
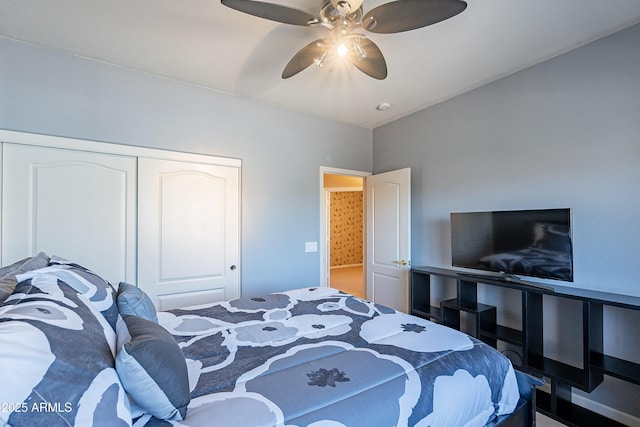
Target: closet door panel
column 188, row 232
column 74, row 204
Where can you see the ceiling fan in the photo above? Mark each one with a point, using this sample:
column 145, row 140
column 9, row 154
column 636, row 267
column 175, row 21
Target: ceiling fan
column 343, row 19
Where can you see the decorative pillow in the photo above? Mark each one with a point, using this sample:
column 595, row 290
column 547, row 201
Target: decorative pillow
column 8, row 274
column 83, row 280
column 57, row 365
column 153, row 370
column 133, row 301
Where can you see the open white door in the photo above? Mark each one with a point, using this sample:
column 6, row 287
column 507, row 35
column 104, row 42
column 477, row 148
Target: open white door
column 389, row 238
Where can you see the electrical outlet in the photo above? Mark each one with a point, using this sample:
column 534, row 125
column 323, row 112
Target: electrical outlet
column 311, row 246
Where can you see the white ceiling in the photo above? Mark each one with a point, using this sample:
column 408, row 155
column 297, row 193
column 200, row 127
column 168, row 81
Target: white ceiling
column 205, row 43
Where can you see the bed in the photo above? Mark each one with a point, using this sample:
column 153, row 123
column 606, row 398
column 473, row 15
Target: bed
column 76, row 350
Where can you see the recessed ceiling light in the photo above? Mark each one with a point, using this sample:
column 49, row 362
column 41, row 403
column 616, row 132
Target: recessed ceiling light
column 384, row 106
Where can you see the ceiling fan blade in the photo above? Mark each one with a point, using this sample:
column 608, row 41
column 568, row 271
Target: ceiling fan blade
column 373, row 64
column 305, row 57
column 273, row 12
column 405, row 15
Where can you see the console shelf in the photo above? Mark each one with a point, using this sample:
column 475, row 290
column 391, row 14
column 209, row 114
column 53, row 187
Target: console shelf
column 529, row 337
column 503, row 333
column 431, row 313
column 619, row 368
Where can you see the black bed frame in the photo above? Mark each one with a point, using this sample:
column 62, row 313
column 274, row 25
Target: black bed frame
column 525, row 413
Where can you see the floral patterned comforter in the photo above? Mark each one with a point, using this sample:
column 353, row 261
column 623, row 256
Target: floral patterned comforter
column 319, row 357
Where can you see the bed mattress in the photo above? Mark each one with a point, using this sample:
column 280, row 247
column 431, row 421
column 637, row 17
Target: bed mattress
column 319, row 357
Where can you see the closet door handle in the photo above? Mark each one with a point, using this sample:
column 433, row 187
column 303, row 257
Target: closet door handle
column 233, row 267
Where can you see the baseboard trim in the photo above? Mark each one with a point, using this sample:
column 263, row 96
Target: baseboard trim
column 335, row 267
column 599, row 408
column 606, row 411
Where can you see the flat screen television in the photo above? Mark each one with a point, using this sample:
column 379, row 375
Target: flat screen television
column 535, row 243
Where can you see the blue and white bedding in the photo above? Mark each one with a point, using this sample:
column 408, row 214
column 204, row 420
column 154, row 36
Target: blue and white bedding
column 316, row 356
column 78, row 351
column 57, row 350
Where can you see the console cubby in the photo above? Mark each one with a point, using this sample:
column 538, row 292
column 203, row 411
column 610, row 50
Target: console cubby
column 587, row 308
column 484, row 316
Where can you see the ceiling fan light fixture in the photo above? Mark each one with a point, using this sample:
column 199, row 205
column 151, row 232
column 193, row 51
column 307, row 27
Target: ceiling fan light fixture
column 320, row 61
column 341, row 18
column 360, row 53
column 342, row 49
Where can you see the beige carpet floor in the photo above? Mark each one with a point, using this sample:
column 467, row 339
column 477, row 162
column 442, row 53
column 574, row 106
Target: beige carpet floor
column 348, row 279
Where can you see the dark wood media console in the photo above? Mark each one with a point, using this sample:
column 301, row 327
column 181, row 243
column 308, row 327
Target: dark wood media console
column 529, row 337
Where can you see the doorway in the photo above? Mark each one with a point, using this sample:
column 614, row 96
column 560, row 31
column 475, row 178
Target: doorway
column 343, row 234
column 387, row 220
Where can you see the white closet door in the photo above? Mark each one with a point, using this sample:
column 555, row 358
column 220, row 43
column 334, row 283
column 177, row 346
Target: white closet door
column 74, row 204
column 188, row 218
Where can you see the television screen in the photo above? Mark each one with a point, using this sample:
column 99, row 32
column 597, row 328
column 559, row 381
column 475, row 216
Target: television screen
column 533, row 243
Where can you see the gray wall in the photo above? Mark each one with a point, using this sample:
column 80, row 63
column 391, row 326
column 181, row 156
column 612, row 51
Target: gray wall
column 47, row 92
column 564, row 133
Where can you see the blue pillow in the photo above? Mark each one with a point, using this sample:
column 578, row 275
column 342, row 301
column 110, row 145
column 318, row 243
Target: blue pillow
column 153, row 370
column 133, row 301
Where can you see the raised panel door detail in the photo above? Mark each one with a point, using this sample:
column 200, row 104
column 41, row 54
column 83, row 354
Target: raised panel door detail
column 386, row 224
column 192, row 225
column 74, row 204
column 188, row 216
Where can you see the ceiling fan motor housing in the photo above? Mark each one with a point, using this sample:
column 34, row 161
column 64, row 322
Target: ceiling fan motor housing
column 344, row 6
column 334, row 20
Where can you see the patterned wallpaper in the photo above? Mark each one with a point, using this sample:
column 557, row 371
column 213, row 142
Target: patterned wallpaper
column 346, row 228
